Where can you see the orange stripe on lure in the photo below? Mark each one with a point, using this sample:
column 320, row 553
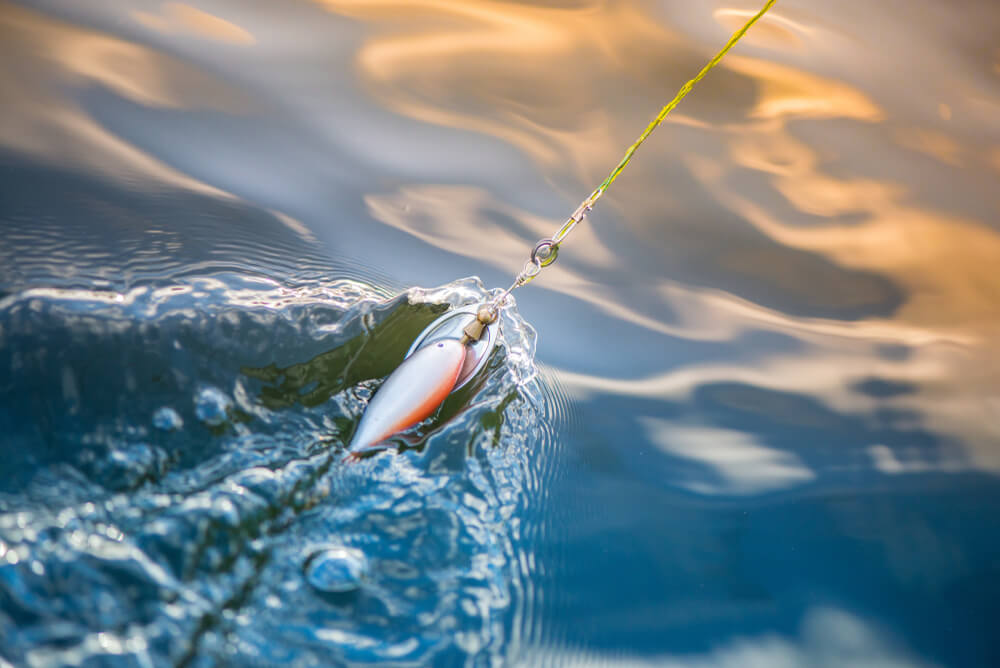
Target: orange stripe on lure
column 411, row 393
column 439, row 362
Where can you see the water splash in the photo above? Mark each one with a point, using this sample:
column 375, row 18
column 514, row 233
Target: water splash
column 193, row 537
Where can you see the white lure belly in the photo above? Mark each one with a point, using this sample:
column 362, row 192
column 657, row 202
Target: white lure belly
column 411, row 393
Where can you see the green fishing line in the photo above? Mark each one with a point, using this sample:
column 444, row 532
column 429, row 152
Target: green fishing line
column 685, row 89
column 667, row 108
column 545, row 251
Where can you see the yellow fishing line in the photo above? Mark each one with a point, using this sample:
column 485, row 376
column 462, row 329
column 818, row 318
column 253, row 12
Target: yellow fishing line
column 588, row 203
column 545, row 251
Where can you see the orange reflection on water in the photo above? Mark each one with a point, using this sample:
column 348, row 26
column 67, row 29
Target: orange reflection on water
column 434, row 61
column 437, row 61
column 993, row 159
column 787, row 92
column 933, row 143
column 774, row 29
column 39, row 122
column 177, row 17
column 945, row 263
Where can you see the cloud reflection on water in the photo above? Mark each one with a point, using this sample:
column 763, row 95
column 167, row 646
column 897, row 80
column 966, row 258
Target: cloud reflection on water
column 740, row 464
column 828, row 637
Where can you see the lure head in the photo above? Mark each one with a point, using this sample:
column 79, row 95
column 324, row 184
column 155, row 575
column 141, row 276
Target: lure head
column 451, row 325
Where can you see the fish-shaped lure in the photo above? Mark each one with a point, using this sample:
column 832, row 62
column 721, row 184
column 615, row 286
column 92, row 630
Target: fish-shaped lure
column 443, row 358
column 411, row 392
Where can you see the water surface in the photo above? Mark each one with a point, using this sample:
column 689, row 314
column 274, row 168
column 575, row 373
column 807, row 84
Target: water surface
column 759, row 424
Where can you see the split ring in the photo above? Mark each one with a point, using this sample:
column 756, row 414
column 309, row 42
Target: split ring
column 544, row 253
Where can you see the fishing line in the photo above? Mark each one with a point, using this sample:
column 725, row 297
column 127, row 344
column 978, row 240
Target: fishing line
column 545, row 251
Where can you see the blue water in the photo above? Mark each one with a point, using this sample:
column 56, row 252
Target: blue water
column 208, row 536
column 749, row 418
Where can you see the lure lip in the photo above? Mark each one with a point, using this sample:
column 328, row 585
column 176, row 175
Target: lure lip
column 450, row 326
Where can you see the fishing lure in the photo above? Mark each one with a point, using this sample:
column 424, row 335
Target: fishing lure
column 453, row 348
column 443, row 358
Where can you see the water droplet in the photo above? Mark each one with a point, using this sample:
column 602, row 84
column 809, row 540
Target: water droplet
column 336, row 569
column 167, row 419
column 211, row 405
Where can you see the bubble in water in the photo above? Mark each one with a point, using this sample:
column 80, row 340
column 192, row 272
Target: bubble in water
column 336, row 569
column 211, row 405
column 167, row 419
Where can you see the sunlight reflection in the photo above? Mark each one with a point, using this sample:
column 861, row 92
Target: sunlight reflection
column 947, row 263
column 935, row 144
column 944, row 263
column 839, row 353
column 993, row 159
column 40, row 124
column 889, row 240
column 774, row 30
column 420, row 71
column 177, row 16
column 886, row 461
column 788, row 92
column 430, row 213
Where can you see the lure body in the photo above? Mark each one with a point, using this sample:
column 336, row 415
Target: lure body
column 412, row 392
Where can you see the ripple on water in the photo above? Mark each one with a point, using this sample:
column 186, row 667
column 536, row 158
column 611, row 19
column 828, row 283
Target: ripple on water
column 99, row 233
column 228, row 528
